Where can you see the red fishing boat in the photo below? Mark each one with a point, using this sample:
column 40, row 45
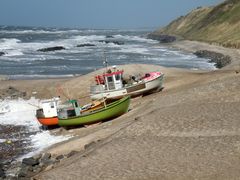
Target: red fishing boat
column 112, row 85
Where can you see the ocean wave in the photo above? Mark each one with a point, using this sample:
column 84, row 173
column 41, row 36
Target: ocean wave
column 42, row 140
column 40, row 76
column 9, row 43
column 41, row 31
column 88, row 38
column 134, row 49
column 14, row 52
column 136, row 38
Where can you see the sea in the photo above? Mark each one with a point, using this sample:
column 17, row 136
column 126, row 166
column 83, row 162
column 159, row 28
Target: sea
column 84, row 51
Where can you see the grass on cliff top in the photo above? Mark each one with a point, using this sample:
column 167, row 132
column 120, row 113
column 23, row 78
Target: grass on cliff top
column 219, row 24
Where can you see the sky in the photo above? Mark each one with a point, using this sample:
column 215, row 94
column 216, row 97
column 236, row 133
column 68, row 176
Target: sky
column 98, row 14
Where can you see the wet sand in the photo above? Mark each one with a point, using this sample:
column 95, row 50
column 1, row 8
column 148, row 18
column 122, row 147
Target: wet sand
column 190, row 130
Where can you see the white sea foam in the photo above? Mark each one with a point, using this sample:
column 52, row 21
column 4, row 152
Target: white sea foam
column 9, row 43
column 40, row 76
column 2, row 140
column 14, row 47
column 135, row 38
column 22, row 112
column 40, row 31
column 43, row 140
column 134, row 49
column 89, row 38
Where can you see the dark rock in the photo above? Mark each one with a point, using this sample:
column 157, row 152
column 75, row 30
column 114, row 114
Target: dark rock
column 25, row 171
column 47, row 163
column 37, row 169
column 30, row 161
column 37, row 157
column 85, row 45
column 162, row 38
column 59, row 157
column 2, row 53
column 45, row 158
column 89, row 145
column 71, row 153
column 55, row 48
column 2, row 173
column 114, row 42
column 219, row 59
column 109, row 36
column 118, row 42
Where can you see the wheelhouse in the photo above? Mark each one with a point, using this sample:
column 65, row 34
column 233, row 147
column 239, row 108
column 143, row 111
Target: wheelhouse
column 111, row 80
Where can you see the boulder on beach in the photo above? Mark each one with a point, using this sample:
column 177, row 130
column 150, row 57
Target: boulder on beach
column 55, row 48
column 219, row 59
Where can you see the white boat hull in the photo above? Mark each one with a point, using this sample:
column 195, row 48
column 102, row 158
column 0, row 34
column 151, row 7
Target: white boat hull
column 132, row 90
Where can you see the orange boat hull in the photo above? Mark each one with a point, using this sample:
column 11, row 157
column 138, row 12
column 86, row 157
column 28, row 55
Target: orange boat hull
column 48, row 121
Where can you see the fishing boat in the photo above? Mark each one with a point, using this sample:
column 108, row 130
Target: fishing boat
column 70, row 114
column 47, row 113
column 112, row 85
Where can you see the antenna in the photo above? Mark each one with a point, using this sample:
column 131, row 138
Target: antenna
column 105, row 62
column 60, row 91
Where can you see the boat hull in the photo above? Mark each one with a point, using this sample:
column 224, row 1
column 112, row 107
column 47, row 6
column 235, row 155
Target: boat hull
column 51, row 121
column 112, row 110
column 133, row 90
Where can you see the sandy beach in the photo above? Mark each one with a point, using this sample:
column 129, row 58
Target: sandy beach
column 190, row 130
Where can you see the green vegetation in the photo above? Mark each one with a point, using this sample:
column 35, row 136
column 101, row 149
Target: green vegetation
column 219, row 25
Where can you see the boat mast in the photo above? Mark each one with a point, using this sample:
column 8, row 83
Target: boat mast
column 105, row 62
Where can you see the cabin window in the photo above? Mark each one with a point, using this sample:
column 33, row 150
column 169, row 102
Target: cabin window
column 110, row 79
column 118, row 77
column 52, row 105
column 76, row 104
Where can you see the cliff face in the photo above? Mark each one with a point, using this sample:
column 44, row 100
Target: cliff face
column 219, row 25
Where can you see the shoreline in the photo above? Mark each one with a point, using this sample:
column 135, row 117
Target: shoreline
column 194, row 114
column 193, row 46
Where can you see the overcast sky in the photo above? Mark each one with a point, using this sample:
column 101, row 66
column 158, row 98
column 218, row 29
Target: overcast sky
column 96, row 13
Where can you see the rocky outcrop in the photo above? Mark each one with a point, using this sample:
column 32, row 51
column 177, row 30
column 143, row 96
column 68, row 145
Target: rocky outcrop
column 41, row 162
column 55, row 48
column 2, row 173
column 109, row 36
column 114, row 42
column 85, row 45
column 162, row 38
column 219, row 59
column 31, row 166
column 2, row 53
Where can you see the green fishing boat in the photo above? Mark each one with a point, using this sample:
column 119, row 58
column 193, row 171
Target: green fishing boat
column 72, row 115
